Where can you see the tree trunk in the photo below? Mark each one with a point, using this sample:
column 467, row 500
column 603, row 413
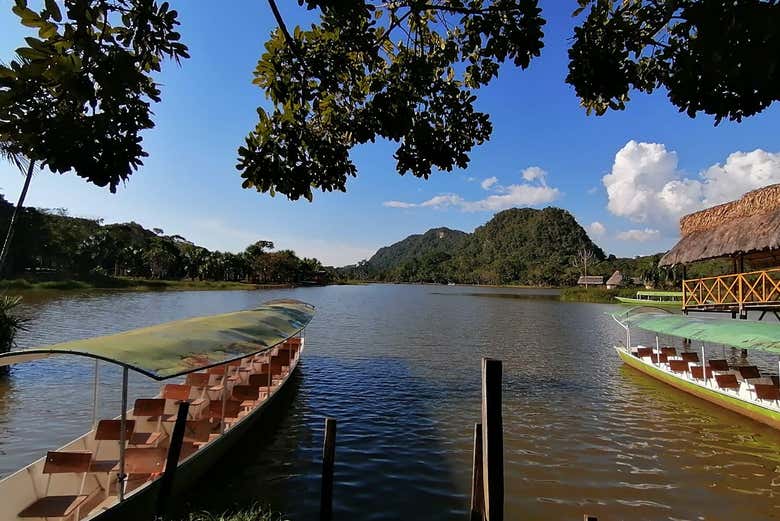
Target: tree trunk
column 10, row 234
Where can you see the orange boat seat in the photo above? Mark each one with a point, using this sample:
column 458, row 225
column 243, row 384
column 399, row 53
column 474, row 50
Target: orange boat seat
column 669, row 351
column 690, row 357
column 748, row 371
column 767, row 392
column 62, row 505
column 642, row 352
column 151, row 409
column 719, row 365
column 678, row 366
column 727, row 381
column 698, row 372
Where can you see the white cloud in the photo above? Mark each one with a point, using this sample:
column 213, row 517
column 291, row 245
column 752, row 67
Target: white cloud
column 532, row 193
column 398, row 204
column 646, row 185
column 442, row 201
column 487, row 183
column 533, row 173
column 597, row 229
column 645, row 235
column 515, row 195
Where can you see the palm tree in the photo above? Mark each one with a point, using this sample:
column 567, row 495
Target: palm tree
column 24, row 165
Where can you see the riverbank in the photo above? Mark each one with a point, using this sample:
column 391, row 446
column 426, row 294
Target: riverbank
column 598, row 295
column 131, row 284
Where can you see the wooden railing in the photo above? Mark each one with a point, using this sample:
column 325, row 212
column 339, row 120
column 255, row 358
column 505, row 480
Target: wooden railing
column 739, row 290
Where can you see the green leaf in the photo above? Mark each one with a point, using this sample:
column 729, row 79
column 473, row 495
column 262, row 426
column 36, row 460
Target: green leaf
column 53, row 9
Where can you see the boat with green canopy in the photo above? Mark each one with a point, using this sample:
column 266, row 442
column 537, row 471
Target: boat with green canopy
column 736, row 383
column 654, row 298
column 222, row 373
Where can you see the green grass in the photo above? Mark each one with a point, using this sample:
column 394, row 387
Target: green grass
column 580, row 294
column 253, row 513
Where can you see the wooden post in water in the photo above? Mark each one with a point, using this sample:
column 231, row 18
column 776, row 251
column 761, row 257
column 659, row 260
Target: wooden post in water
column 328, row 460
column 477, row 487
column 492, row 440
column 174, row 451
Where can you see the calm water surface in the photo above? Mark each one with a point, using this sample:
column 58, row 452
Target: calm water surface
column 399, row 367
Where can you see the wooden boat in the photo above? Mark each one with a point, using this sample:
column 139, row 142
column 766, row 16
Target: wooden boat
column 229, row 370
column 654, row 298
column 741, row 388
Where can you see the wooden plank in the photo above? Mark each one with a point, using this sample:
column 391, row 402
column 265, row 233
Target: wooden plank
column 477, row 487
column 328, row 461
column 174, row 450
column 492, row 440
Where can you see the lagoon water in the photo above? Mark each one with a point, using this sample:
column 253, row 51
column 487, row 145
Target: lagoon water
column 399, row 367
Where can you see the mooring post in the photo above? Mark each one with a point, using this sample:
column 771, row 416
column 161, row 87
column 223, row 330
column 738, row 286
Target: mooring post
column 174, row 451
column 492, row 440
column 328, row 460
column 477, row 488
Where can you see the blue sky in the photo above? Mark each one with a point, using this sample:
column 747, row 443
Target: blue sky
column 658, row 163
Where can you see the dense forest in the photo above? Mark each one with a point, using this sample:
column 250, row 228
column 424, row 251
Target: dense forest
column 517, row 246
column 50, row 244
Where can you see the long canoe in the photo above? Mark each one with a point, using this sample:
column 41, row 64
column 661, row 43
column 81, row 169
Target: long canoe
column 234, row 368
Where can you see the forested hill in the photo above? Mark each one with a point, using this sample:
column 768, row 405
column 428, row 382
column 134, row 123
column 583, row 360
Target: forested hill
column 432, row 242
column 517, row 246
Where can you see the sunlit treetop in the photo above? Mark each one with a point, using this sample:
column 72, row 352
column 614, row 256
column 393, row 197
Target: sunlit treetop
column 403, row 71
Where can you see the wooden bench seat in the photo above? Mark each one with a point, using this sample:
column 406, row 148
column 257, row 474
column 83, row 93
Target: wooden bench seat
column 669, row 351
column 60, row 506
column 642, row 352
column 748, row 371
column 678, row 366
column 767, row 392
column 719, row 365
column 727, row 381
column 698, row 372
column 690, row 356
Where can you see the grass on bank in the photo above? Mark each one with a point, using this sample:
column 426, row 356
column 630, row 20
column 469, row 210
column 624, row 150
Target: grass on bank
column 122, row 283
column 253, row 513
column 596, row 294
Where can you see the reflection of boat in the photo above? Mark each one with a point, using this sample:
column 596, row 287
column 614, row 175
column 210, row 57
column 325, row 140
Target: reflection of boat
column 234, row 367
column 654, row 298
column 450, row 283
column 740, row 388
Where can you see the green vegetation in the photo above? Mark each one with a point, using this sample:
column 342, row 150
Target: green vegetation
column 581, row 294
column 517, row 247
column 520, row 246
column 55, row 251
column 253, row 513
column 10, row 324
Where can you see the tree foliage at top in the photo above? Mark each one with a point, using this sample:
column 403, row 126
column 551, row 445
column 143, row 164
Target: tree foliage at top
column 80, row 92
column 405, row 71
column 720, row 57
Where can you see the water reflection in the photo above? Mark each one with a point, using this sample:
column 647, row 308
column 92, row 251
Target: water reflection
column 398, row 366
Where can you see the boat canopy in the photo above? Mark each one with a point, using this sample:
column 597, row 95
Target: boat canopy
column 742, row 334
column 177, row 348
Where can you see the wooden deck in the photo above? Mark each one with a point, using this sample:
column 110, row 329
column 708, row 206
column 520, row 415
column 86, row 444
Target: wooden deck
column 736, row 293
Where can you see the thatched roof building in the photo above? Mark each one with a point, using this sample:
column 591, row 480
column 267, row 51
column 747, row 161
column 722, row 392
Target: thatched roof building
column 590, row 280
column 615, row 281
column 747, row 228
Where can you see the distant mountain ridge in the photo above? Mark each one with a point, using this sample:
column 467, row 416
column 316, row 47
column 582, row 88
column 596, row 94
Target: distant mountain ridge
column 519, row 245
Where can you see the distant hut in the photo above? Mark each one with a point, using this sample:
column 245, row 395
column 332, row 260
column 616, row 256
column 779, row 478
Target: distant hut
column 615, row 281
column 590, row 280
column 746, row 230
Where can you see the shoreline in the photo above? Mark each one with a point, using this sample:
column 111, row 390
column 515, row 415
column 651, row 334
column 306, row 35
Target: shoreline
column 129, row 284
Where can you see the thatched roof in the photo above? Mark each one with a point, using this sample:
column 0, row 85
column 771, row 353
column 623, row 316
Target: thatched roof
column 749, row 226
column 595, row 280
column 616, row 279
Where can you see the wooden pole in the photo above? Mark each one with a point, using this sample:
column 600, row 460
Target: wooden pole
column 328, row 460
column 477, row 487
column 172, row 462
column 492, row 440
column 121, row 477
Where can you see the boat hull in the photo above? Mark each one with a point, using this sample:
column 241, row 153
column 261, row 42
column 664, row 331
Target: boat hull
column 754, row 412
column 143, row 504
column 640, row 302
